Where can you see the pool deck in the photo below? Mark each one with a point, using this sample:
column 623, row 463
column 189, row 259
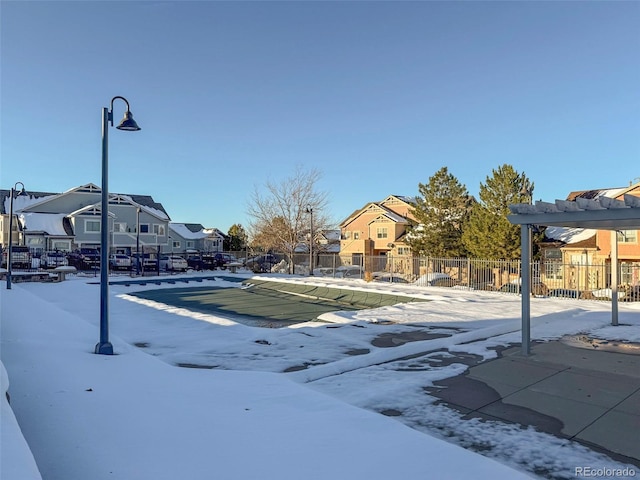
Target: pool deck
column 582, row 394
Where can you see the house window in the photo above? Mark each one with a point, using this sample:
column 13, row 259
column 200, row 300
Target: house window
column 189, row 243
column 119, row 227
column 553, row 270
column 404, row 250
column 64, row 245
column 158, row 229
column 144, row 228
column 92, row 226
column 553, row 254
column 176, row 244
column 630, row 273
column 579, row 259
column 347, row 235
column 627, row 236
column 381, row 232
column 356, row 235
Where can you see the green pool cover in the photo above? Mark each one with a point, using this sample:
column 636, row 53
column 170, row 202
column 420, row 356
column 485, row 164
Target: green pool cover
column 271, row 304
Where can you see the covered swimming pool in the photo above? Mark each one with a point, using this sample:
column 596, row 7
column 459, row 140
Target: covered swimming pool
column 270, row 304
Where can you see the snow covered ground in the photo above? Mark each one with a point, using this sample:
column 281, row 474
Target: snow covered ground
column 288, row 403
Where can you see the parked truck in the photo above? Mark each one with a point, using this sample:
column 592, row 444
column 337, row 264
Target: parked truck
column 20, row 257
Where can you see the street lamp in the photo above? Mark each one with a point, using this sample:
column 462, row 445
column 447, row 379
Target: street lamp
column 310, row 212
column 9, row 259
column 104, row 347
column 138, row 241
column 527, row 191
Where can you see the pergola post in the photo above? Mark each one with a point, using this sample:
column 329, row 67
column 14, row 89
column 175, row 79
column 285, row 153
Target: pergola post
column 614, row 277
column 525, row 287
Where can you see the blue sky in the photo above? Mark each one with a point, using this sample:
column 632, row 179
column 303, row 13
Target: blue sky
column 376, row 95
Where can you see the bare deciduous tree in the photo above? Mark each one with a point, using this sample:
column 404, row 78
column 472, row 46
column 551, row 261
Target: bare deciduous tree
column 281, row 212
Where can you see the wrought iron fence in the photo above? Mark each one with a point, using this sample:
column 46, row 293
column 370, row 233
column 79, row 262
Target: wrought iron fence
column 551, row 278
column 574, row 280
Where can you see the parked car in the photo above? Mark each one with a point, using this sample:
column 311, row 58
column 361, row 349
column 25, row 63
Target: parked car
column 84, row 259
column 349, row 271
column 195, row 262
column 20, row 257
column 53, row 259
column 537, row 288
column 261, row 263
column 486, row 286
column 631, row 293
column 209, row 262
column 626, row 293
column 389, row 277
column 119, row 261
column 324, row 272
column 565, row 293
column 222, row 259
column 148, row 263
column 436, row 279
column 510, row 288
column 173, row 263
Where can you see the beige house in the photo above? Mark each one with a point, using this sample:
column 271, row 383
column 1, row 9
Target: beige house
column 580, row 258
column 379, row 228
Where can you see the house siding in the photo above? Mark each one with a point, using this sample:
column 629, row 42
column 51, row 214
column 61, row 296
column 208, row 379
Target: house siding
column 377, row 228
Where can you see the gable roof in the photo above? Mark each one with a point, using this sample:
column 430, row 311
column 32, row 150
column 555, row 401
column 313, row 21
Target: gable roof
column 89, row 210
column 568, row 235
column 21, row 201
column 594, row 194
column 378, row 209
column 188, row 231
column 36, row 198
column 411, row 201
column 394, row 217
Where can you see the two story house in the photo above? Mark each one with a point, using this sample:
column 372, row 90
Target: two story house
column 378, row 229
column 187, row 238
column 71, row 220
column 579, row 258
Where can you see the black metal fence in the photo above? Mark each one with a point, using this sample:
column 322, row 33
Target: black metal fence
column 574, row 280
column 553, row 278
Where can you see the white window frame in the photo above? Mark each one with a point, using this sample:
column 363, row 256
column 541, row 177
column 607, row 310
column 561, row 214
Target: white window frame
column 57, row 245
column 90, row 221
column 627, row 236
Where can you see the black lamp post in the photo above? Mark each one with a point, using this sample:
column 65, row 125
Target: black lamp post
column 138, row 241
column 310, row 212
column 104, row 347
column 9, row 259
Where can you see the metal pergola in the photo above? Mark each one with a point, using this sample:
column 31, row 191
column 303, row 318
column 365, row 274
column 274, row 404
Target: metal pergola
column 602, row 213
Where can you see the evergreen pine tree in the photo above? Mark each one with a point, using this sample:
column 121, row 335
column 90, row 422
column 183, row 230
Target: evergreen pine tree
column 441, row 210
column 237, row 238
column 489, row 234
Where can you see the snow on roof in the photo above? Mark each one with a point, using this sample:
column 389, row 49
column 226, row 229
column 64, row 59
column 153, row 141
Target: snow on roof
column 20, row 202
column 331, row 235
column 50, row 223
column 214, row 231
column 392, row 216
column 569, row 234
column 182, row 230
